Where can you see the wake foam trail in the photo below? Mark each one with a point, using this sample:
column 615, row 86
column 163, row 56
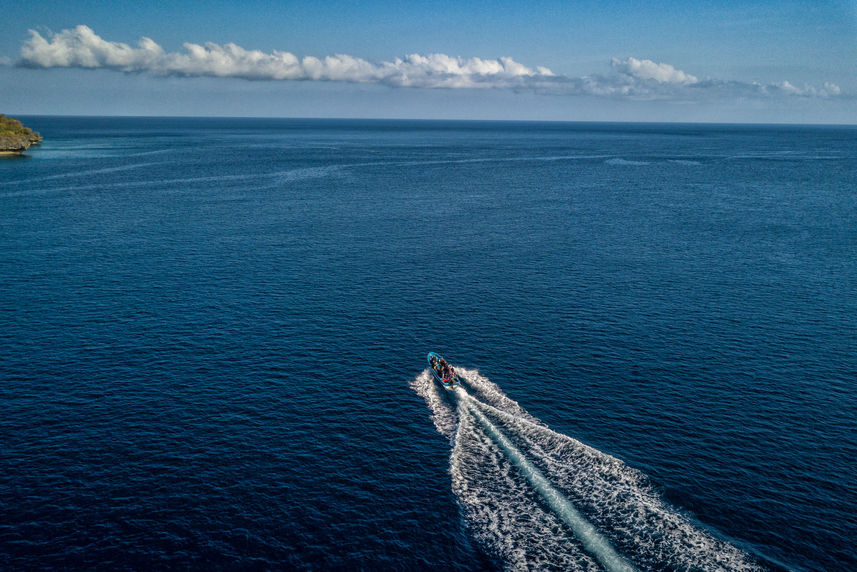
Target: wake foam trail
column 594, row 542
column 443, row 414
column 498, row 447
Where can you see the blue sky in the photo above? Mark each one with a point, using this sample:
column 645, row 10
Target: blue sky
column 780, row 62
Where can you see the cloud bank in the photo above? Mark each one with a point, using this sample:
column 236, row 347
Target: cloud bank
column 81, row 47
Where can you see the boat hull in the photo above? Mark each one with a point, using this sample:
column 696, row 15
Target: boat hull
column 446, row 383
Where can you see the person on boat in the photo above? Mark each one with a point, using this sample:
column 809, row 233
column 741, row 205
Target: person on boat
column 433, row 362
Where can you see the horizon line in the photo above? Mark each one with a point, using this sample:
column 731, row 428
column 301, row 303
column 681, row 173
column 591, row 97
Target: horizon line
column 440, row 119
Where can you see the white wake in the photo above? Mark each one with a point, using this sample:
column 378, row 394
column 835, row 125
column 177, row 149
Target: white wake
column 537, row 499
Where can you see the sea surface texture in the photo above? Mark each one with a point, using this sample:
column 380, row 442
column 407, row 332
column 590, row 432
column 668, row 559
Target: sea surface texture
column 213, row 339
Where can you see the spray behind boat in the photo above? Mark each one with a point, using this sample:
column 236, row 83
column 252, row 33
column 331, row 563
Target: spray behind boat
column 536, row 498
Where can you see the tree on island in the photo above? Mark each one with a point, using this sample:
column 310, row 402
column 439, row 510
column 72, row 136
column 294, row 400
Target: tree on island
column 14, row 137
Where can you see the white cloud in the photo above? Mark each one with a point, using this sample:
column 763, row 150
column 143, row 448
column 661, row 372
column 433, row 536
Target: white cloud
column 647, row 69
column 83, row 48
column 829, row 89
column 632, row 78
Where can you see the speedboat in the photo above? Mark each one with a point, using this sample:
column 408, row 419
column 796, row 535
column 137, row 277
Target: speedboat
column 442, row 371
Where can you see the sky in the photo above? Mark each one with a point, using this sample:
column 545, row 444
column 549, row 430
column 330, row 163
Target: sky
column 626, row 60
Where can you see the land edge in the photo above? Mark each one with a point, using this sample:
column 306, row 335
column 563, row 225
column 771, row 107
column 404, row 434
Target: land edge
column 15, row 138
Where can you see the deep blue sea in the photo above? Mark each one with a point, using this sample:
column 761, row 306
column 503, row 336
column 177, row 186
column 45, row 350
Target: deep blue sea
column 213, row 339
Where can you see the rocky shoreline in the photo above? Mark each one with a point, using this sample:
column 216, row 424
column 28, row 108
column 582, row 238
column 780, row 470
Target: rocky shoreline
column 15, row 138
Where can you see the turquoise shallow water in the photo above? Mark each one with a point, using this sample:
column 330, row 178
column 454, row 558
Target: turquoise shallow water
column 213, row 336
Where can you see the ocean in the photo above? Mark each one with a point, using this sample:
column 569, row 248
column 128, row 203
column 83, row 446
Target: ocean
column 213, row 340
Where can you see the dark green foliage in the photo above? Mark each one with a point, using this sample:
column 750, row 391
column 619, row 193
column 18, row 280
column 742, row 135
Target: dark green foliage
column 14, row 136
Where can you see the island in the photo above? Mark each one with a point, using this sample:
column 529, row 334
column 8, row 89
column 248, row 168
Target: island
column 15, row 138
